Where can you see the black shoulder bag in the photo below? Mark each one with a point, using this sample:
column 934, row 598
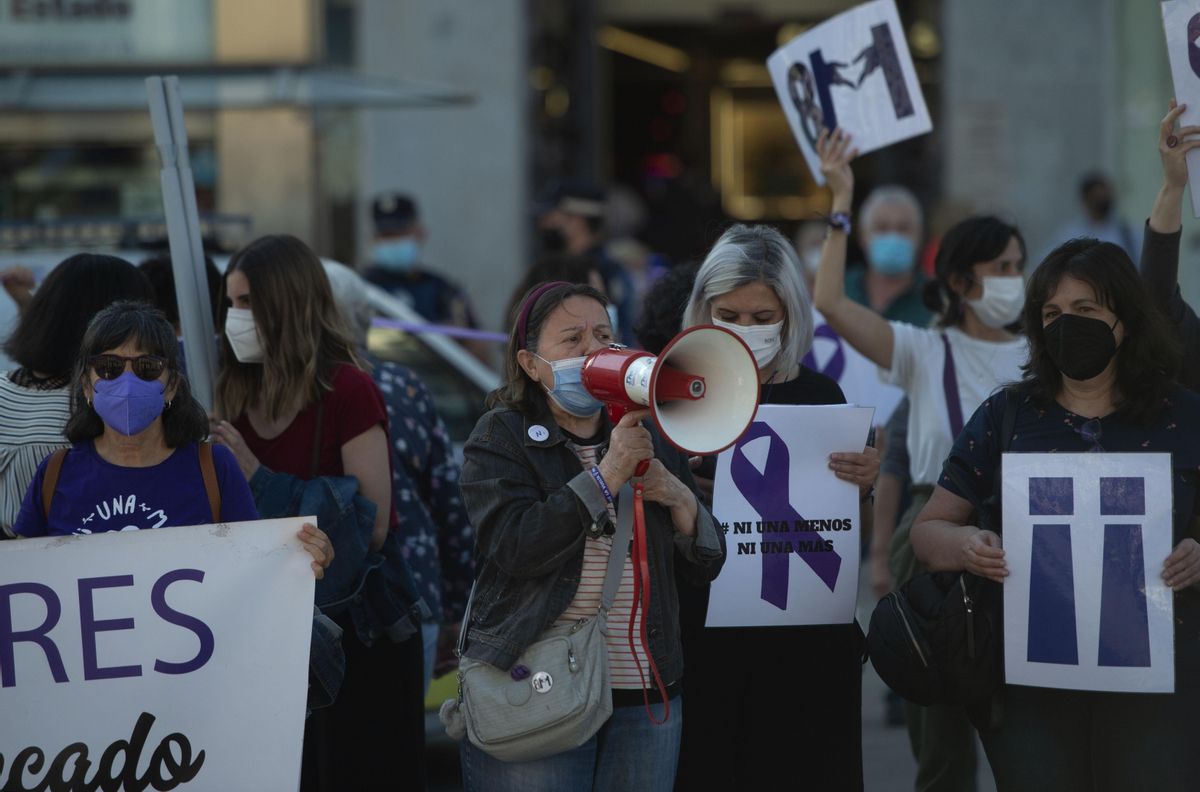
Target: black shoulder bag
column 938, row 639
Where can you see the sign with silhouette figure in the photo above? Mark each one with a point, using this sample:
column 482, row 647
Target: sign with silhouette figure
column 1085, row 604
column 853, row 71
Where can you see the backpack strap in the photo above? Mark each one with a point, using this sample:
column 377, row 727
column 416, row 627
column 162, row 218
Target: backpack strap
column 208, row 472
column 950, row 387
column 50, row 481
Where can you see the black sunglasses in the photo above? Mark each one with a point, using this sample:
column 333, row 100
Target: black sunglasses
column 109, row 367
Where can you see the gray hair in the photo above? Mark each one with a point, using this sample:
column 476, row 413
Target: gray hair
column 750, row 254
column 890, row 194
column 350, row 296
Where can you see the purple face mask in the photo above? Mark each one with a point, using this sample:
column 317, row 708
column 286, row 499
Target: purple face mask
column 128, row 404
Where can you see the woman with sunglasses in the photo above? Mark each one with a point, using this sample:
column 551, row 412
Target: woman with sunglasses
column 1099, row 379
column 136, row 434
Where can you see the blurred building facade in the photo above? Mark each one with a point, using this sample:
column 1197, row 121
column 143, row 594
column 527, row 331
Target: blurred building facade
column 666, row 99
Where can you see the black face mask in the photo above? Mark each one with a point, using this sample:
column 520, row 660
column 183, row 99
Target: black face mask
column 1080, row 347
column 553, row 240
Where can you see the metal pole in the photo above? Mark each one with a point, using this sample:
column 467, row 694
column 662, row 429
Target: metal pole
column 183, row 235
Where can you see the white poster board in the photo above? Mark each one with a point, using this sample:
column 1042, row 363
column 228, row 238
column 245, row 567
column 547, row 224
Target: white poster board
column 1181, row 23
column 853, row 71
column 857, row 376
column 791, row 526
column 171, row 653
column 1085, row 605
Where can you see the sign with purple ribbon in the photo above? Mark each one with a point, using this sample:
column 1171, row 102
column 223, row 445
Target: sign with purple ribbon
column 857, row 376
column 1085, row 605
column 853, row 71
column 791, row 527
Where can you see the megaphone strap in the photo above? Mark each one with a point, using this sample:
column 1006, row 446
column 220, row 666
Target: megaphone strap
column 641, row 606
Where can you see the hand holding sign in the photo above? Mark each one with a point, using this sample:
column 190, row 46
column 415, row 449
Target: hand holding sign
column 1173, row 146
column 852, row 71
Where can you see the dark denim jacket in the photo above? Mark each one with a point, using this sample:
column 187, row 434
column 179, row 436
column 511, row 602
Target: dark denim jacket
column 376, row 588
column 532, row 505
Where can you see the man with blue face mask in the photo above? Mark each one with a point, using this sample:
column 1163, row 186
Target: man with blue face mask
column 890, row 232
column 396, row 264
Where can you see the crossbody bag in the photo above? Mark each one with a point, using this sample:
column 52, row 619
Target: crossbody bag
column 557, row 695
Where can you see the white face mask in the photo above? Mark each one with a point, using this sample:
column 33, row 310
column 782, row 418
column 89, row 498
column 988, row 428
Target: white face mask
column 243, row 335
column 1002, row 301
column 764, row 340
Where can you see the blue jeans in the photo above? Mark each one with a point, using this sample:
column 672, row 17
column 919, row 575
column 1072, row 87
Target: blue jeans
column 628, row 753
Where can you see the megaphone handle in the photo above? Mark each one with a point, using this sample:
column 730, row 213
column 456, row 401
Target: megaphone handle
column 641, row 599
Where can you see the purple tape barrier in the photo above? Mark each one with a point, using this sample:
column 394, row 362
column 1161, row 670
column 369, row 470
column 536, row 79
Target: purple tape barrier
column 446, row 330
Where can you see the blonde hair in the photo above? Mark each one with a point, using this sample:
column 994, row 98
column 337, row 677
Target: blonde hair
column 303, row 335
column 750, row 254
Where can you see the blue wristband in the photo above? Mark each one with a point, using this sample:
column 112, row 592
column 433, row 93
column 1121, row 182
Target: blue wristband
column 595, row 471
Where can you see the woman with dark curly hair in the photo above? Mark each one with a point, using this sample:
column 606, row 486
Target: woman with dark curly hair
column 1100, row 377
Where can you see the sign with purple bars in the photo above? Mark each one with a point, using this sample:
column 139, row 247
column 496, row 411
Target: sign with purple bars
column 1085, row 606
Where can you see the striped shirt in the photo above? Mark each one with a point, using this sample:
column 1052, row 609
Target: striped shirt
column 623, row 670
column 31, row 428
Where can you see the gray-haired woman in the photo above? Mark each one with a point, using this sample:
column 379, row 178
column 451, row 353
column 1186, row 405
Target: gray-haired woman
column 750, row 284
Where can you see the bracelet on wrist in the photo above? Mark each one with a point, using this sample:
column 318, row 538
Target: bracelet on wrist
column 601, row 483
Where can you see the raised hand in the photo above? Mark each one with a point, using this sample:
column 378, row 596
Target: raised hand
column 836, row 153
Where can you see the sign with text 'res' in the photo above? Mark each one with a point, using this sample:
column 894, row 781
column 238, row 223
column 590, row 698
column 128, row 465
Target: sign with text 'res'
column 174, row 658
column 791, row 526
column 853, row 71
column 1085, row 605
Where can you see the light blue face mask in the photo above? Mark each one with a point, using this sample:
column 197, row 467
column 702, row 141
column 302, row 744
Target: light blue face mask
column 892, row 254
column 568, row 391
column 397, row 255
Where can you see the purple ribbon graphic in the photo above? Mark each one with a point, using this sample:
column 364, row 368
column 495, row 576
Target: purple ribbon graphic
column 767, row 494
column 837, row 364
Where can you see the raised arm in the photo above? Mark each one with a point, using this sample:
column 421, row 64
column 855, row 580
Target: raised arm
column 862, row 328
column 1160, row 246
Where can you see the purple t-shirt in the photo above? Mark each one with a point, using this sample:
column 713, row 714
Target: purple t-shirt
column 94, row 495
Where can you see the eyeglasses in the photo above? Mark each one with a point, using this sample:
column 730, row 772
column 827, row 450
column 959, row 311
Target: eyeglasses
column 109, row 367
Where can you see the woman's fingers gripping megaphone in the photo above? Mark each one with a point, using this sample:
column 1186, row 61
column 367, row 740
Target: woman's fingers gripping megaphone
column 628, row 445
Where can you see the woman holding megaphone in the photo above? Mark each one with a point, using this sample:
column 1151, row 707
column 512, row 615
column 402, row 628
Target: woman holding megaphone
column 541, row 475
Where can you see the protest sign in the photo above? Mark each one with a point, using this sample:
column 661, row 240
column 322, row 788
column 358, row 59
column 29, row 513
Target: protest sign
column 1181, row 23
column 857, row 376
column 853, row 71
column 155, row 659
column 1085, row 605
column 791, row 527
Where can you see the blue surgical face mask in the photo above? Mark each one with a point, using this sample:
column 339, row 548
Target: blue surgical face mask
column 892, row 254
column 568, row 391
column 397, row 255
column 128, row 404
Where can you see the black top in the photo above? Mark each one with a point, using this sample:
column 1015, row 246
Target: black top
column 808, row 388
column 1160, row 273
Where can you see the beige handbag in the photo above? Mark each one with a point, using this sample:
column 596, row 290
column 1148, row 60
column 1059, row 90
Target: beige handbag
column 556, row 696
